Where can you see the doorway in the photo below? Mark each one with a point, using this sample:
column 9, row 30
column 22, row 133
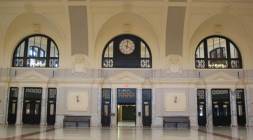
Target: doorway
column 126, row 107
column 146, row 107
column 32, row 105
column 126, row 115
column 51, row 106
column 221, row 107
column 12, row 110
column 240, row 107
column 106, row 107
column 201, row 104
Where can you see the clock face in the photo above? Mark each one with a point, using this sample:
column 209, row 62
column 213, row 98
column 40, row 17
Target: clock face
column 126, row 46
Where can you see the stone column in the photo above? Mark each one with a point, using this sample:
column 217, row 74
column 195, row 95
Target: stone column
column 193, row 109
column 114, row 107
column 247, row 105
column 233, row 108
column 43, row 118
column 139, row 107
column 153, row 108
column 209, row 108
column 20, row 105
column 99, row 104
column 5, row 103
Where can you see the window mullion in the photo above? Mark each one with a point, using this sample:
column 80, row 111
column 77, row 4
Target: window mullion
column 205, row 53
column 48, row 52
column 228, row 53
column 25, row 52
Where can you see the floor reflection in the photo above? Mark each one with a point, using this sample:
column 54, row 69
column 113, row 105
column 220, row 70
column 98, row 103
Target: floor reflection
column 123, row 133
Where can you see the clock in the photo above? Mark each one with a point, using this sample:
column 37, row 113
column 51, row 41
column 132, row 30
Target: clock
column 126, row 46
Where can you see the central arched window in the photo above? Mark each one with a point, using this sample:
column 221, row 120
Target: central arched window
column 126, row 51
column 217, row 52
column 36, row 51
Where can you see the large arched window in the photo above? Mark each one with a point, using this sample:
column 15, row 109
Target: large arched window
column 36, row 51
column 126, row 51
column 217, row 52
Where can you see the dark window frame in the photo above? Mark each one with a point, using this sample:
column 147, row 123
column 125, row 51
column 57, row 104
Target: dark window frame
column 228, row 58
column 140, row 61
column 26, row 56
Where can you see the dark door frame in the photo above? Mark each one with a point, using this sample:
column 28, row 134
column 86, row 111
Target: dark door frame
column 13, row 100
column 221, row 101
column 33, row 100
column 106, row 104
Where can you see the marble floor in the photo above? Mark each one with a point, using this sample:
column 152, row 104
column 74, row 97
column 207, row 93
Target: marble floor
column 122, row 133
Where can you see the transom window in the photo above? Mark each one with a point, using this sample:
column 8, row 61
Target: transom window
column 126, row 51
column 36, row 51
column 217, row 52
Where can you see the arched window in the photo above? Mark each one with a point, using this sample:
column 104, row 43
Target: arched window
column 36, row 51
column 126, row 51
column 217, row 52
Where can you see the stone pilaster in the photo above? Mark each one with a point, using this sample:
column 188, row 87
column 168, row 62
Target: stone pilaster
column 233, row 108
column 139, row 107
column 20, row 105
column 43, row 118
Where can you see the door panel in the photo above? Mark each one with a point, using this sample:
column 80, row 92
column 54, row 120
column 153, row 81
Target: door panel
column 221, row 107
column 201, row 101
column 32, row 105
column 51, row 106
column 12, row 110
column 240, row 107
column 147, row 107
column 106, row 107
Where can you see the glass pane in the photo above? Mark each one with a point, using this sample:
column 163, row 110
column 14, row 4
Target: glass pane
column 106, row 108
column 201, row 110
column 225, row 109
column 43, row 47
column 36, row 111
column 218, row 64
column 240, row 112
column 36, row 62
column 144, row 51
column 216, row 48
column 51, row 109
column 52, row 94
column 200, row 64
column 145, row 63
column 53, row 50
column 18, row 62
column 233, row 51
column 106, row 54
column 31, row 41
column 20, row 50
column 200, row 51
column 217, row 111
column 146, row 110
column 110, row 50
column 108, row 63
column 27, row 112
column 235, row 64
column 54, row 63
column 13, row 109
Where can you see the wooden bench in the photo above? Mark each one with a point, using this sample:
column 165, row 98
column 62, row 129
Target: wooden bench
column 76, row 121
column 176, row 122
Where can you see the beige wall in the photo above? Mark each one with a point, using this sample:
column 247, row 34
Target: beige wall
column 107, row 19
column 147, row 19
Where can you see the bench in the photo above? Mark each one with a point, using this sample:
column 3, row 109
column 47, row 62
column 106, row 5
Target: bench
column 76, row 121
column 176, row 122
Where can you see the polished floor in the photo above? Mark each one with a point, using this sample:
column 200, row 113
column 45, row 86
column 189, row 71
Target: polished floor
column 122, row 133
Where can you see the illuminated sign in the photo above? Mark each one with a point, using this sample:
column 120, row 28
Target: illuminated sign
column 126, row 96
